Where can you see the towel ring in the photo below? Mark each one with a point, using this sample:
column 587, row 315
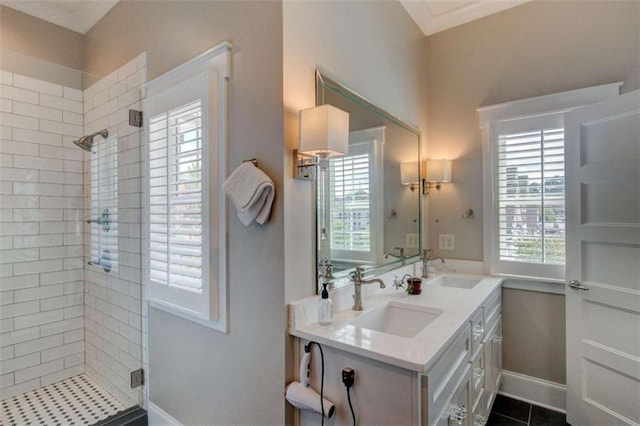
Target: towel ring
column 252, row 160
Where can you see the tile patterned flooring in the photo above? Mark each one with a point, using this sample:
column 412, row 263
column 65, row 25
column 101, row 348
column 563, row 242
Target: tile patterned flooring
column 511, row 412
column 74, row 401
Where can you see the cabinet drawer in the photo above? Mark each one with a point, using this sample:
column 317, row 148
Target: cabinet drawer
column 477, row 330
column 492, row 309
column 446, row 373
column 478, row 370
column 456, row 410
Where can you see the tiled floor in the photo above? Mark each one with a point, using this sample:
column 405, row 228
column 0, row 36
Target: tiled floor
column 75, row 401
column 511, row 412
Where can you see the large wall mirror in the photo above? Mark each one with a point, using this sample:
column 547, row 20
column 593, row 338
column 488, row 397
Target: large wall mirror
column 368, row 205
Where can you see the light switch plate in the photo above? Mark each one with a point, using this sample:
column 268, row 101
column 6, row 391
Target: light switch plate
column 446, row 242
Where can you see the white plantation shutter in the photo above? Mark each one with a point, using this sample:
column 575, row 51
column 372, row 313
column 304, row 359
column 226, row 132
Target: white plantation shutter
column 185, row 239
column 178, row 186
column 175, row 145
column 523, row 183
column 529, row 192
column 350, row 202
column 353, row 204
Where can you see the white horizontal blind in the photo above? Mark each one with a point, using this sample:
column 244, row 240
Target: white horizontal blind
column 350, row 203
column 530, row 189
column 175, row 147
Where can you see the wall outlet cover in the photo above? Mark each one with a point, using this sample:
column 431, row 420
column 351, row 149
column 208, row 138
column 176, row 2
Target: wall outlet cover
column 446, row 242
column 411, row 240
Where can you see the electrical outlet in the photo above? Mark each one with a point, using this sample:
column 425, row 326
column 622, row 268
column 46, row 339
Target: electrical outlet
column 446, row 242
column 411, row 240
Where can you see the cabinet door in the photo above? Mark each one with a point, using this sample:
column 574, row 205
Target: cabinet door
column 493, row 363
column 458, row 412
column 480, row 415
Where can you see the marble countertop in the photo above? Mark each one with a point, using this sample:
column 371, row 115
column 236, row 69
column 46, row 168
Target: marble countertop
column 417, row 353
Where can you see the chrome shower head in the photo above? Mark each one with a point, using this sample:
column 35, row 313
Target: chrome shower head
column 86, row 142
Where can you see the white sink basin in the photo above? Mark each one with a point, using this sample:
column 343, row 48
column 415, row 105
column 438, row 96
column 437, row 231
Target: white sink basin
column 457, row 282
column 399, row 319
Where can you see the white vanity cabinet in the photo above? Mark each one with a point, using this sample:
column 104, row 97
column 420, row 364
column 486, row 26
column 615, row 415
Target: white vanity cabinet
column 446, row 373
column 471, row 386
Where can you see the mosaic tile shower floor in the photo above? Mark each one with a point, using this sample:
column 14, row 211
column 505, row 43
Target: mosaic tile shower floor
column 74, row 401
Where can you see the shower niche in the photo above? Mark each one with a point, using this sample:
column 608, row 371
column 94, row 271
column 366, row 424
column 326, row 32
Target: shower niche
column 72, row 315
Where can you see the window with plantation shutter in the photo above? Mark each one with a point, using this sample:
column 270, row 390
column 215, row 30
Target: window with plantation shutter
column 530, row 188
column 354, row 199
column 524, row 185
column 185, row 256
column 175, row 207
column 350, row 203
column 528, row 192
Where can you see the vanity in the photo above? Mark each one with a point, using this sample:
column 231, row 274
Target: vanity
column 428, row 359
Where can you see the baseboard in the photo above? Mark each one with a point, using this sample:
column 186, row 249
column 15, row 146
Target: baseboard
column 159, row 417
column 535, row 391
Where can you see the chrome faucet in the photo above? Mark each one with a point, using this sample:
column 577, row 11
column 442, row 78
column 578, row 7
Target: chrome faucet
column 400, row 256
column 326, row 269
column 356, row 277
column 426, row 257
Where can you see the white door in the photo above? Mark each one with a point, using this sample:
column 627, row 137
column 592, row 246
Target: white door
column 603, row 262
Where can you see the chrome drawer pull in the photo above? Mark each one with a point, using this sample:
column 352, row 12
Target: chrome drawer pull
column 478, row 374
column 576, row 285
column 478, row 330
column 459, row 414
column 480, row 420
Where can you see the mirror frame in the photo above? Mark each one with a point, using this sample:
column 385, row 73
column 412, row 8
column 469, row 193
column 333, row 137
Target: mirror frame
column 323, row 82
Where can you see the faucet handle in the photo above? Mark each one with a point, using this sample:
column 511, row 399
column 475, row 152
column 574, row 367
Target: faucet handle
column 357, row 273
column 398, row 282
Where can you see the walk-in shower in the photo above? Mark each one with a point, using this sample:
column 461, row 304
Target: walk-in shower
column 71, row 330
column 86, row 142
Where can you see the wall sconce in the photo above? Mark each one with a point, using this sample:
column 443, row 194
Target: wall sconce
column 324, row 132
column 409, row 175
column 438, row 171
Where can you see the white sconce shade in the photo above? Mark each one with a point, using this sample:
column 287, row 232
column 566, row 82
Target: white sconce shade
column 409, row 173
column 439, row 171
column 324, row 131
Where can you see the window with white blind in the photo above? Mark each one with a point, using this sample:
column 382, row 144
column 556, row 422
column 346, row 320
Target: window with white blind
column 530, row 189
column 185, row 115
column 524, row 220
column 355, row 202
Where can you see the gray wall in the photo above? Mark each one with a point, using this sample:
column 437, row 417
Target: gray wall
column 531, row 50
column 533, row 327
column 199, row 375
column 38, row 49
column 31, row 36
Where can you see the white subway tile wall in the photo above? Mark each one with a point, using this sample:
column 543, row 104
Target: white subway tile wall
column 60, row 317
column 41, row 251
column 113, row 305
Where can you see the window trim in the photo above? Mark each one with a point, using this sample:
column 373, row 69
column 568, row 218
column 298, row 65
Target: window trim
column 216, row 64
column 489, row 117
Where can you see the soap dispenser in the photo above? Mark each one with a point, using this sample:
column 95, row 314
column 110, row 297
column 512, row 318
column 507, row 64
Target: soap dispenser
column 325, row 307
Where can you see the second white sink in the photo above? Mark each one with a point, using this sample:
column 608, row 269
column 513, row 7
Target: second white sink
column 455, row 281
column 398, row 319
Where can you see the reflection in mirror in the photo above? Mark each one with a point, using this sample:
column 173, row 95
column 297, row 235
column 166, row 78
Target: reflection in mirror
column 368, row 201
